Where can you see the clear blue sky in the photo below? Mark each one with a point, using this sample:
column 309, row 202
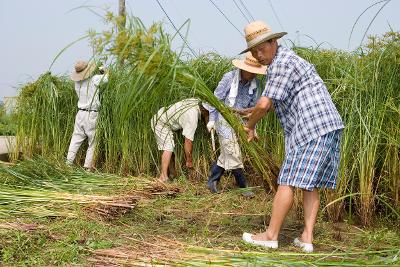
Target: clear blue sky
column 34, row 32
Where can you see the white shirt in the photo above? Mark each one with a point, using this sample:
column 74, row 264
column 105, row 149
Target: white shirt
column 88, row 92
column 183, row 115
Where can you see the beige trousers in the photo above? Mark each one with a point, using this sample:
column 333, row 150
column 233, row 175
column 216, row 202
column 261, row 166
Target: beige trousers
column 230, row 156
column 85, row 126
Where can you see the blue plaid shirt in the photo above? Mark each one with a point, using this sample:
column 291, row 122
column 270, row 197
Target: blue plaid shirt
column 302, row 102
column 244, row 99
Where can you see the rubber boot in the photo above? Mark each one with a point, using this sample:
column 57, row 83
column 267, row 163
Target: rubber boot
column 215, row 175
column 241, row 182
column 239, row 177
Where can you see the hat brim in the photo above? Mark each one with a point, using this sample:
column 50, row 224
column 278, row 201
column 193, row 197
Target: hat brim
column 84, row 74
column 252, row 69
column 269, row 37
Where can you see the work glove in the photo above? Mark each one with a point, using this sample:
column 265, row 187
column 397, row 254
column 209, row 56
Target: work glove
column 211, row 125
column 102, row 69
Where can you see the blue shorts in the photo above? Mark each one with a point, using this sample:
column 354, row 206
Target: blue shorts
column 313, row 165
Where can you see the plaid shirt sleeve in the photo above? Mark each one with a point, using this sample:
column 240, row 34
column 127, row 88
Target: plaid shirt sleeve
column 279, row 81
column 221, row 93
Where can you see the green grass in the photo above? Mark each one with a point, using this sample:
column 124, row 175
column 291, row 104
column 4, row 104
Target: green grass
column 145, row 74
column 8, row 125
column 192, row 228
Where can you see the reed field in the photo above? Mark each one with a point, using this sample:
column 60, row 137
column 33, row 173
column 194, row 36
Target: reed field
column 7, row 123
column 120, row 215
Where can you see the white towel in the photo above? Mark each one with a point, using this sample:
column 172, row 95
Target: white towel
column 235, row 86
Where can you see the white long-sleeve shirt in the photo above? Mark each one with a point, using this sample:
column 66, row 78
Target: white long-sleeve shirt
column 88, row 92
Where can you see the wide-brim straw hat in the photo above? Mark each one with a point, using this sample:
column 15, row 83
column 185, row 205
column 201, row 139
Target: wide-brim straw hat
column 249, row 64
column 258, row 32
column 82, row 70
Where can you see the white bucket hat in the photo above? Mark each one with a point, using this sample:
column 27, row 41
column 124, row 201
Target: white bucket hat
column 83, row 70
column 258, row 32
column 249, row 64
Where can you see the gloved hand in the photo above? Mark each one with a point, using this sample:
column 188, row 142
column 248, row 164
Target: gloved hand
column 210, row 125
column 102, row 69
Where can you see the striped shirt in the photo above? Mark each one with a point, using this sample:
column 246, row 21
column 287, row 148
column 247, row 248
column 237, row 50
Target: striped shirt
column 301, row 99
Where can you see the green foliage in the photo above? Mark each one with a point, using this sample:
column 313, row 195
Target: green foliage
column 45, row 115
column 193, row 228
column 135, row 45
column 146, row 75
column 8, row 125
column 211, row 67
column 20, row 246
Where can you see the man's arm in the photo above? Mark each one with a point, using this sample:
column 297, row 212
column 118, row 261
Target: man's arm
column 188, row 147
column 221, row 92
column 263, row 105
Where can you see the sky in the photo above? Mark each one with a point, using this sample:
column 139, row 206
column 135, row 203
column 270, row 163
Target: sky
column 35, row 32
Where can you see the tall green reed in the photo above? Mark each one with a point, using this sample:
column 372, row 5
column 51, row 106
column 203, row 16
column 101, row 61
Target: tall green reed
column 145, row 74
column 45, row 115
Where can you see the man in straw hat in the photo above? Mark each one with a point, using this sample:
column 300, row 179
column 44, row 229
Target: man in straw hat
column 238, row 90
column 312, row 128
column 87, row 89
column 182, row 115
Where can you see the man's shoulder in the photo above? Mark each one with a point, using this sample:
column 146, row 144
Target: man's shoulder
column 229, row 74
column 285, row 55
column 99, row 78
column 188, row 100
column 287, row 59
column 226, row 79
column 184, row 104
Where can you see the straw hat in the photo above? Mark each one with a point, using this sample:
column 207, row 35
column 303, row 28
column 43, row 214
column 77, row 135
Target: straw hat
column 250, row 64
column 83, row 70
column 258, row 32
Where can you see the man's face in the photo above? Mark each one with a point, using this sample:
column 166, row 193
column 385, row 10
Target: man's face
column 247, row 76
column 265, row 52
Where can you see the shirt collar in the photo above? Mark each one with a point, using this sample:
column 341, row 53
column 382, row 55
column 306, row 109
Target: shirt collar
column 279, row 50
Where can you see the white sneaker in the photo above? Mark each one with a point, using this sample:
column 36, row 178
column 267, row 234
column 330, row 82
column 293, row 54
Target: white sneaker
column 306, row 247
column 247, row 237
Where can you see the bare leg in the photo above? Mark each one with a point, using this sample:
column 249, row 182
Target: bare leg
column 283, row 201
column 165, row 160
column 311, row 206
